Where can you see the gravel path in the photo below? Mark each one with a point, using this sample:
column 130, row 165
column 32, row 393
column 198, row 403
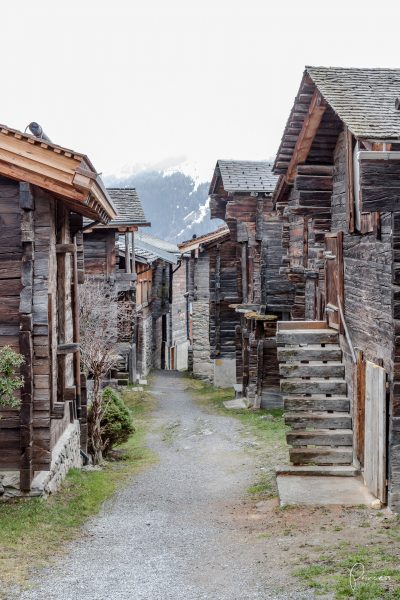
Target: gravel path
column 176, row 531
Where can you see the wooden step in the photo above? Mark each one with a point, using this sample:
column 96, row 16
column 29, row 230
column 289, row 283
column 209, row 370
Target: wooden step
column 316, row 403
column 320, row 437
column 309, row 352
column 306, row 336
column 321, row 456
column 288, row 325
column 312, row 369
column 318, row 420
column 321, row 470
column 314, row 386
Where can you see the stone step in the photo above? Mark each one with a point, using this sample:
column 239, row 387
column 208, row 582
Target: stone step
column 122, row 374
column 306, row 336
column 318, row 420
column 320, row 437
column 123, row 381
column 321, row 456
column 336, row 403
column 321, row 470
column 309, row 352
column 312, row 369
column 314, row 386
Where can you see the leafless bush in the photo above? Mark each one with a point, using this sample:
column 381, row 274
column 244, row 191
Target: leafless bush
column 100, row 316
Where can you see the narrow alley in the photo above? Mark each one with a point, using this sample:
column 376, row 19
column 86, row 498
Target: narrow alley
column 177, row 530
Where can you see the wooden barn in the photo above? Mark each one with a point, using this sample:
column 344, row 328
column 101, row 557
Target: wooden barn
column 157, row 346
column 45, row 191
column 241, row 195
column 102, row 258
column 214, row 286
column 339, row 167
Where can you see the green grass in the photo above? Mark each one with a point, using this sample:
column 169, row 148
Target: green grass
column 266, row 427
column 32, row 531
column 365, row 573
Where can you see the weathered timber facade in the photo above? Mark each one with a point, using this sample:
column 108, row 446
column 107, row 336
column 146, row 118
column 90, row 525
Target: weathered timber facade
column 241, row 195
column 103, row 259
column 339, row 167
column 42, row 201
column 214, row 285
column 158, row 344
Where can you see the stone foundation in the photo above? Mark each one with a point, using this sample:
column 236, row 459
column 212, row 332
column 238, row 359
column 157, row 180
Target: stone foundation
column 65, row 456
column 224, row 372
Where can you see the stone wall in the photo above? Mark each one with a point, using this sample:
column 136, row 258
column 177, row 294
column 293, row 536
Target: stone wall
column 145, row 343
column 65, row 456
column 202, row 364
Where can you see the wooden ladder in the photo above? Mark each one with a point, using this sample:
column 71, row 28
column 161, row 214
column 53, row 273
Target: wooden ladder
column 315, row 398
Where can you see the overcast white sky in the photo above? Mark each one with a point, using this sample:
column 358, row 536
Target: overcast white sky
column 147, row 81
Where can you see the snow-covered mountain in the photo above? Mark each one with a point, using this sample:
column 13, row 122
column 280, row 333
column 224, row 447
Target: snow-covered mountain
column 175, row 201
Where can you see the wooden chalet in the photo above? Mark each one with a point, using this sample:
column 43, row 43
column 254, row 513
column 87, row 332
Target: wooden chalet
column 241, row 195
column 214, row 285
column 103, row 259
column 339, row 167
column 157, row 344
column 45, row 191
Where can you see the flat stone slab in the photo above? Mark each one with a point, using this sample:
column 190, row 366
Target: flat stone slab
column 236, row 404
column 319, row 470
column 310, row 490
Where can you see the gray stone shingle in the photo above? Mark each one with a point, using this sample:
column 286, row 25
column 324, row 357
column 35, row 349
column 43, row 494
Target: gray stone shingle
column 247, row 175
column 364, row 99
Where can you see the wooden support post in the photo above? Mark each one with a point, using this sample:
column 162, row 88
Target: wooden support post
column 83, row 418
column 359, row 409
column 127, row 254
column 76, row 330
column 218, row 301
column 244, row 271
column 133, row 270
column 26, row 202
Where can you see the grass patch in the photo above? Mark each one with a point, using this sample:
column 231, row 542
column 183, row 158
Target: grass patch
column 266, row 427
column 362, row 573
column 33, row 530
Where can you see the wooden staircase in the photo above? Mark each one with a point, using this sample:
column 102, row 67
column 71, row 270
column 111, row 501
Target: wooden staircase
column 315, row 398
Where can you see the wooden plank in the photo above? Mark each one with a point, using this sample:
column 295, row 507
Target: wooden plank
column 350, row 208
column 321, row 456
column 359, row 409
column 375, row 430
column 318, row 420
column 309, row 352
column 324, row 437
column 314, row 386
column 64, row 248
column 26, row 411
column 26, row 197
column 307, row 134
column 303, row 336
column 312, row 369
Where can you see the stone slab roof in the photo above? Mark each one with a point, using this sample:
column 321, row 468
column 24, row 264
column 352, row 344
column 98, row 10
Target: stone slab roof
column 196, row 242
column 245, row 176
column 364, row 99
column 128, row 206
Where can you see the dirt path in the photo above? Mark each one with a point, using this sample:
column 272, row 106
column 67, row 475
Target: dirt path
column 182, row 529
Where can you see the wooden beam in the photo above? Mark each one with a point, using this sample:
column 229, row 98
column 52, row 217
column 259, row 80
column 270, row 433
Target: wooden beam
column 306, row 135
column 63, row 248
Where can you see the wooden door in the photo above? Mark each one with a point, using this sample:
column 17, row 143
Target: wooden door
column 334, row 277
column 375, row 430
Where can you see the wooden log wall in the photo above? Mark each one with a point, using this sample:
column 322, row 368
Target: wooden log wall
column 11, row 285
column 308, row 213
column 100, row 253
column 225, row 289
column 276, row 291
